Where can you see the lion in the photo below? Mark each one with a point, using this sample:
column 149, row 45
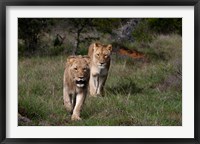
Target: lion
column 99, row 66
column 75, row 84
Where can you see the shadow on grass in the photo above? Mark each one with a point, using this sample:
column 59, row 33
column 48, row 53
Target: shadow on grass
column 124, row 87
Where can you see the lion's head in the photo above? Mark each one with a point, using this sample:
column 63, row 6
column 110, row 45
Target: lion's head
column 101, row 54
column 78, row 67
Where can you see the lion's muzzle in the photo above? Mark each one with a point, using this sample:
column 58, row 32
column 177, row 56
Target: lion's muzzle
column 102, row 65
column 80, row 83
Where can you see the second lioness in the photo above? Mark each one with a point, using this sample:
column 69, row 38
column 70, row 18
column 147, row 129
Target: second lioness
column 99, row 66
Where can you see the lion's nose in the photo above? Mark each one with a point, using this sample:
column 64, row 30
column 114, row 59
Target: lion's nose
column 81, row 77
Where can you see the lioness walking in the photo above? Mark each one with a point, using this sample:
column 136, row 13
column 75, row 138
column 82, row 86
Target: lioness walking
column 99, row 66
column 76, row 79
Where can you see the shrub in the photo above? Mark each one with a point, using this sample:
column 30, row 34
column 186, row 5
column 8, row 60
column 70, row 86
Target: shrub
column 166, row 25
column 142, row 32
column 56, row 50
column 147, row 28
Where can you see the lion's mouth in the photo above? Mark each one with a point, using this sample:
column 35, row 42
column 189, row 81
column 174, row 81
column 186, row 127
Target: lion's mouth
column 102, row 65
column 80, row 83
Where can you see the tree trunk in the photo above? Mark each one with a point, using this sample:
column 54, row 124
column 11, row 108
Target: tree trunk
column 77, row 42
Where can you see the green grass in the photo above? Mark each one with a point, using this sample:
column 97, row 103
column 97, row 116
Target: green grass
column 137, row 93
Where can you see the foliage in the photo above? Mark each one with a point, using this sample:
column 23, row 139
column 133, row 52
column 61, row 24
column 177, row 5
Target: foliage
column 107, row 25
column 82, row 27
column 166, row 25
column 84, row 31
column 45, row 36
column 143, row 33
column 56, row 50
column 149, row 27
column 29, row 29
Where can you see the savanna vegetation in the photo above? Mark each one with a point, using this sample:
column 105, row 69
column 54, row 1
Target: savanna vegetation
column 144, row 86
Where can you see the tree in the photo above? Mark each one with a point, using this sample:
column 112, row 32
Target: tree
column 78, row 25
column 81, row 26
column 59, row 40
column 29, row 29
column 84, row 30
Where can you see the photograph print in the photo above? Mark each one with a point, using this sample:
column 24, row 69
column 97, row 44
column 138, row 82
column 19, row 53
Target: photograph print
column 99, row 71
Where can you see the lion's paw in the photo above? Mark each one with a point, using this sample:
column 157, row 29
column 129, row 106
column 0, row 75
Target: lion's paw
column 75, row 118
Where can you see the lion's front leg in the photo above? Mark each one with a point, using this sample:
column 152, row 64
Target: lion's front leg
column 80, row 98
column 93, row 85
column 67, row 99
column 100, row 89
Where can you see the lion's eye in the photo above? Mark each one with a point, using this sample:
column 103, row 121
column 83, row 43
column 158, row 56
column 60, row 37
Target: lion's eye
column 98, row 55
column 106, row 56
column 75, row 69
column 85, row 69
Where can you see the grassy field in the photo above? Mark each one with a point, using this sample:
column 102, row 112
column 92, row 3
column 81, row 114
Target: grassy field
column 138, row 93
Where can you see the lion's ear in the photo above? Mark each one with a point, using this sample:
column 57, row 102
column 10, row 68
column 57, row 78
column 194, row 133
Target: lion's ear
column 109, row 47
column 70, row 60
column 87, row 59
column 95, row 46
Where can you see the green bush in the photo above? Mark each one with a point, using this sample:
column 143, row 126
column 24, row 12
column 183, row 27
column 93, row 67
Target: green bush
column 142, row 32
column 83, row 49
column 56, row 50
column 166, row 25
column 148, row 28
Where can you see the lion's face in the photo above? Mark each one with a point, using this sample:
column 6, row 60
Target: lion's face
column 79, row 70
column 102, row 54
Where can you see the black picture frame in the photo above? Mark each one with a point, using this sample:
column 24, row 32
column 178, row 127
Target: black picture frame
column 4, row 3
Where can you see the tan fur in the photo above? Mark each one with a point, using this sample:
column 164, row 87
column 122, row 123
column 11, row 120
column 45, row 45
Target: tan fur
column 75, row 84
column 99, row 66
